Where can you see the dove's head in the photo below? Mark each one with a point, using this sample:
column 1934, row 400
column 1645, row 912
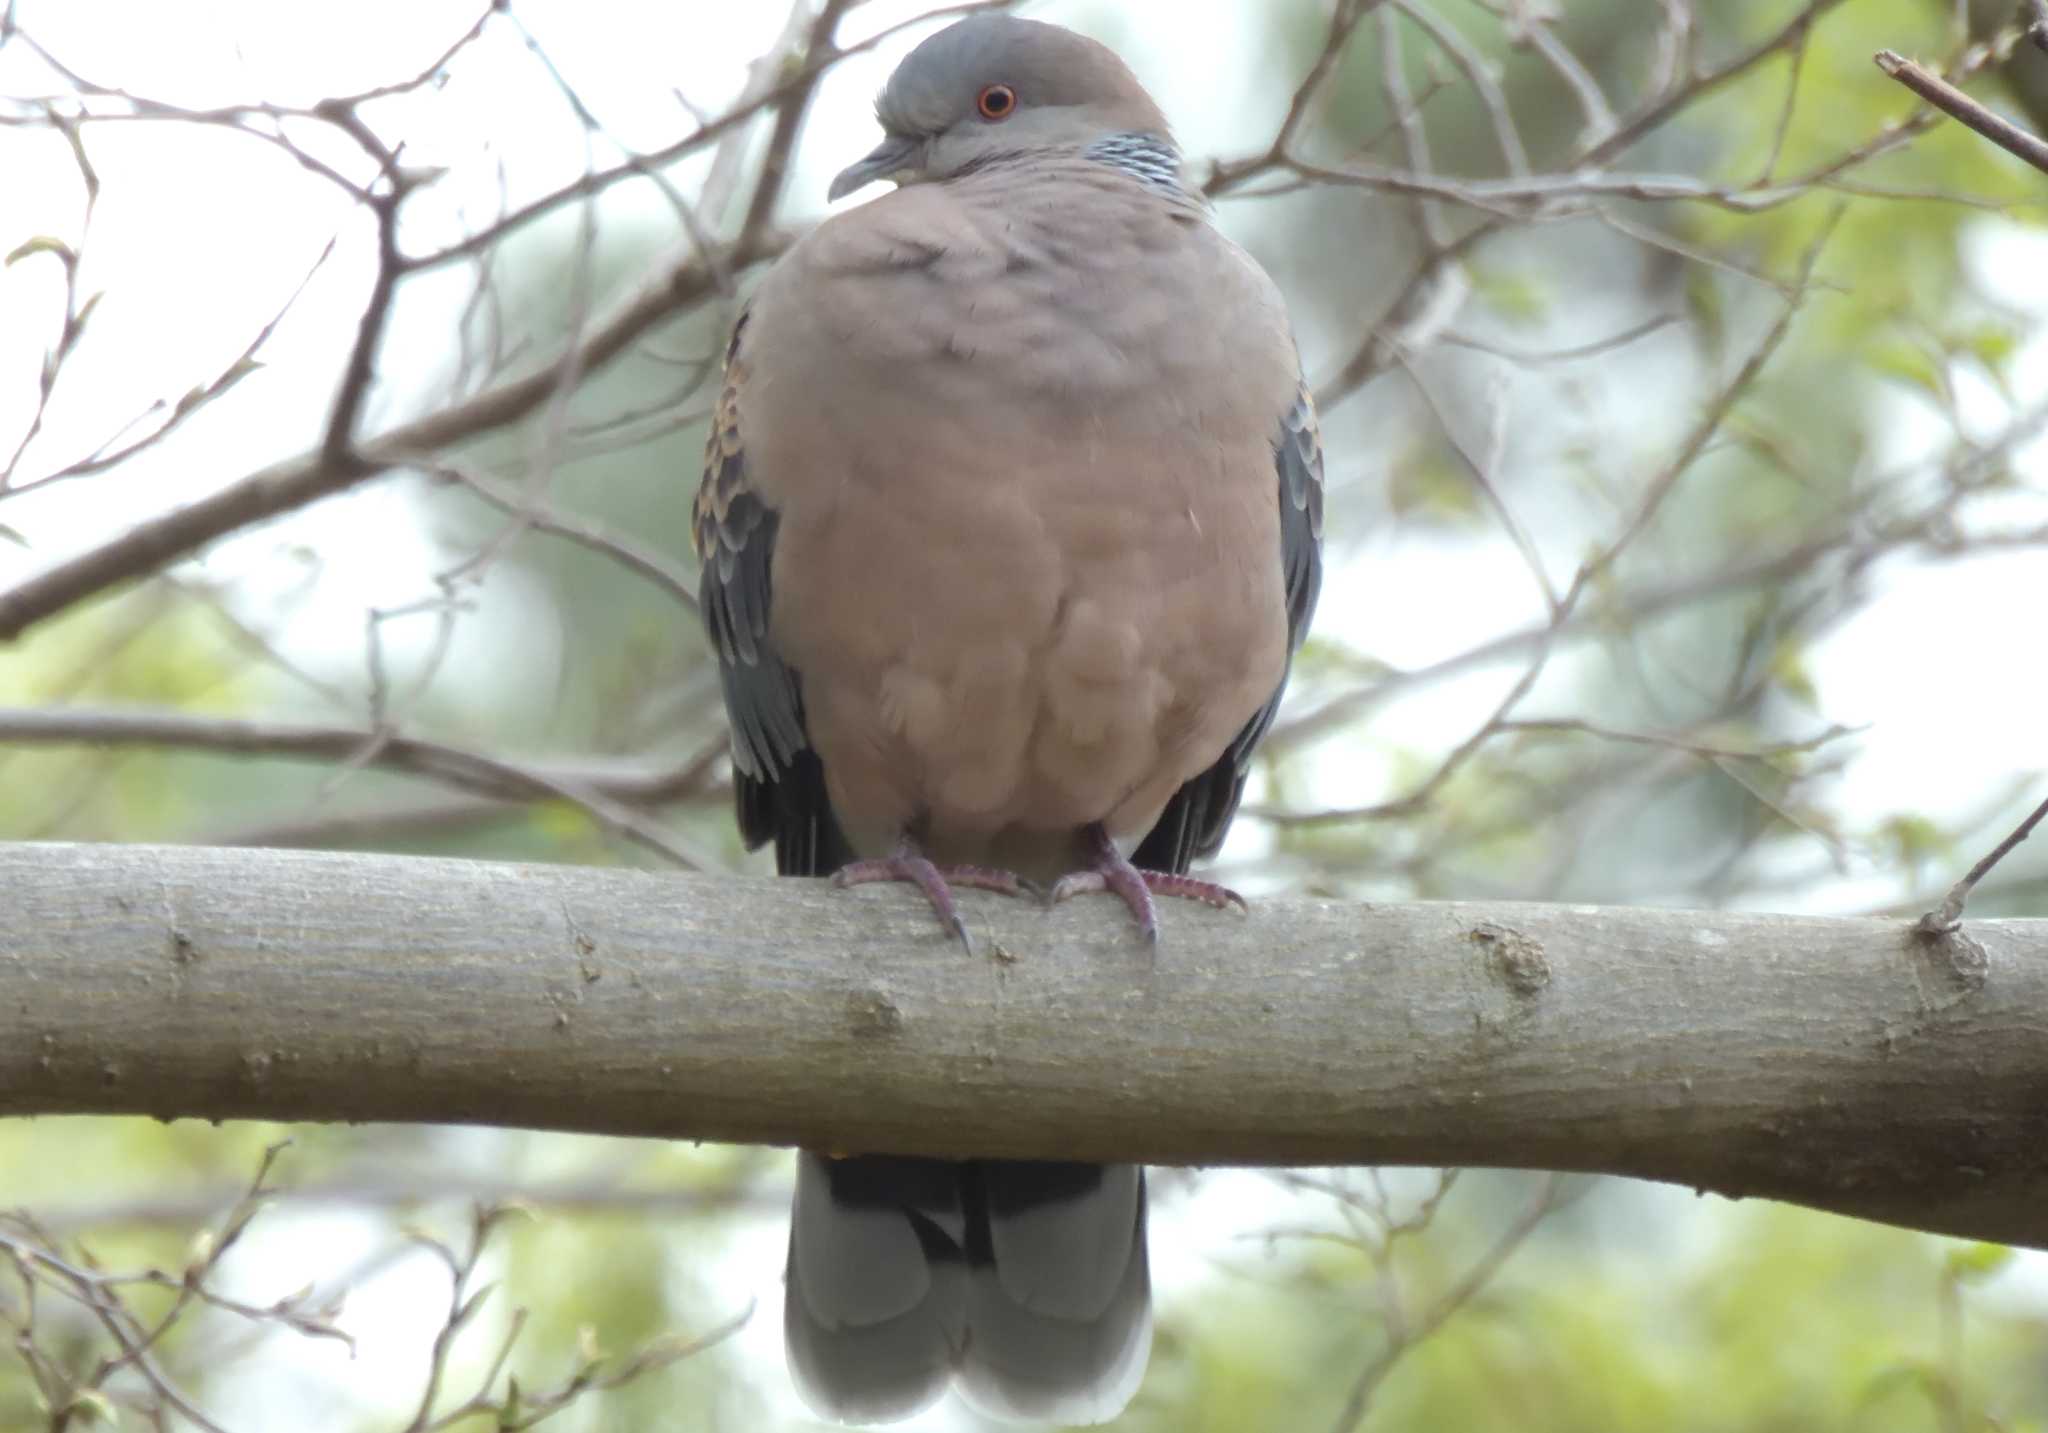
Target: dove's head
column 993, row 86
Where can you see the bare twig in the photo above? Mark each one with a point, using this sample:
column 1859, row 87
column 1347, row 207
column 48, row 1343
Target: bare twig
column 799, row 82
column 462, row 1307
column 1372, row 355
column 1594, row 349
column 37, row 1260
column 1406, row 1330
column 77, row 311
column 337, row 445
column 343, row 460
column 789, row 120
column 598, row 1195
column 196, row 400
column 1344, row 18
column 1705, row 750
column 606, row 790
column 298, row 481
column 518, row 1407
column 1945, row 97
column 1661, row 485
column 640, row 561
column 1948, row 916
column 1478, row 72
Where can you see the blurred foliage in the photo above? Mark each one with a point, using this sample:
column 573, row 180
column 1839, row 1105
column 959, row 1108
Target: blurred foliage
column 136, row 648
column 1627, row 1308
column 1778, row 1320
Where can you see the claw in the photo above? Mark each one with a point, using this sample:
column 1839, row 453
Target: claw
column 1113, row 872
column 937, row 882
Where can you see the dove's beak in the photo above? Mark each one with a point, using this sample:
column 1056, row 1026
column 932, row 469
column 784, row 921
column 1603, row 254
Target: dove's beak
column 897, row 157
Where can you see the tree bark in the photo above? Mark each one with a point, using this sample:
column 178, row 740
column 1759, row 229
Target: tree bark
column 1843, row 1063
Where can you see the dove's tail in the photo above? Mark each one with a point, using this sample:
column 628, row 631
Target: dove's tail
column 1025, row 1281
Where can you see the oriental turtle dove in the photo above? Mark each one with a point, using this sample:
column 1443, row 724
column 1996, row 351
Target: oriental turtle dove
column 1010, row 523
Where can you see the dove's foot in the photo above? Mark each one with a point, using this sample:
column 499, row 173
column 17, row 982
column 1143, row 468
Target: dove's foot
column 1113, row 872
column 937, row 882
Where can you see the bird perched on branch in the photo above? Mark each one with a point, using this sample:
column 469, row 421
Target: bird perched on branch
column 1010, row 523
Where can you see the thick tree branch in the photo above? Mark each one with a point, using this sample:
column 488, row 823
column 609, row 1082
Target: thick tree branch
column 1842, row 1063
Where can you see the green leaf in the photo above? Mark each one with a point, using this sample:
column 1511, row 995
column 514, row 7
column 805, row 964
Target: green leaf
column 562, row 820
column 1906, row 1376
column 89, row 1405
column 1430, row 484
column 1706, row 308
column 42, row 244
column 1992, row 345
column 1788, row 669
column 1975, row 1262
column 1909, row 363
column 1514, row 296
column 1915, row 838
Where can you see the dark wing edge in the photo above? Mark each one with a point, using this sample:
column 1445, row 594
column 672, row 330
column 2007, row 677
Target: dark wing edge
column 1196, row 819
column 778, row 784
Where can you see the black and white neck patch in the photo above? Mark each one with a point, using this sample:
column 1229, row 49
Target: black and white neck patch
column 1148, row 158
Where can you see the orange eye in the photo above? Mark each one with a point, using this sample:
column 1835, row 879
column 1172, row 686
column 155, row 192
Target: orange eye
column 996, row 102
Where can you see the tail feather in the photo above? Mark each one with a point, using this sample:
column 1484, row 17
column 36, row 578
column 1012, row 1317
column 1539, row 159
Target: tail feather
column 1059, row 1306
column 874, row 1314
column 1027, row 1281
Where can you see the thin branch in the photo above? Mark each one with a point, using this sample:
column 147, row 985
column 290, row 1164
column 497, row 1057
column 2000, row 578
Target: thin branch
column 1399, row 99
column 382, row 825
column 1372, row 354
column 1412, row 1331
column 1790, row 104
column 642, row 562
column 1852, row 535
column 337, row 445
column 462, row 1307
column 703, row 136
column 1947, row 918
column 1419, row 797
column 1344, row 19
column 1483, row 467
column 1662, row 484
column 1705, row 750
column 1479, row 73
column 763, row 73
column 2018, row 142
column 292, row 484
column 789, row 122
column 97, row 1294
column 1655, row 114
column 341, row 462
column 1594, row 349
column 502, row 777
column 595, row 1195
column 195, row 400
column 1527, row 29
column 77, row 312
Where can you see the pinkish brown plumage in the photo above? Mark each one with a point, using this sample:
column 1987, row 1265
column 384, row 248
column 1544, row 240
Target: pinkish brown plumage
column 1010, row 521
column 1083, row 601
